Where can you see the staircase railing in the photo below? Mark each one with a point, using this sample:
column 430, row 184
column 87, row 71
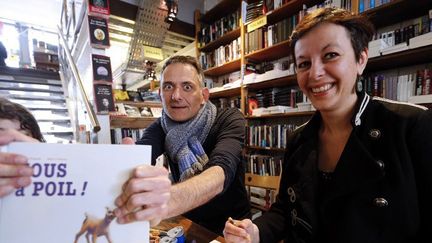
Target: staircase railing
column 77, row 78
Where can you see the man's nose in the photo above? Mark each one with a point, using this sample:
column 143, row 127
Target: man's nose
column 176, row 94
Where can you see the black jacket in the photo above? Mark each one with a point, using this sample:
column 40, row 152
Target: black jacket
column 381, row 188
column 223, row 146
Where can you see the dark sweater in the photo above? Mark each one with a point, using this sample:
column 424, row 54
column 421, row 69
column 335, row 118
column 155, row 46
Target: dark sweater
column 223, row 146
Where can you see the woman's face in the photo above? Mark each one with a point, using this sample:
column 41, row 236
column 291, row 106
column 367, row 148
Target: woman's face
column 6, row 124
column 326, row 67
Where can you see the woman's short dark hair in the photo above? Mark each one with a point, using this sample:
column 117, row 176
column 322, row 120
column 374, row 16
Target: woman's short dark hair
column 16, row 112
column 186, row 60
column 359, row 27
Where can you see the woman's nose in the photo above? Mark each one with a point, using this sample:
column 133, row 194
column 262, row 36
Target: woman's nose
column 317, row 70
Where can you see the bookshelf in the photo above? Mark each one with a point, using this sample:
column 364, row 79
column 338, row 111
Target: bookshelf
column 384, row 15
column 123, row 125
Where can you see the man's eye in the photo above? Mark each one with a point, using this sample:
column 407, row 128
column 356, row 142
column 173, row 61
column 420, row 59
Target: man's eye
column 187, row 87
column 167, row 87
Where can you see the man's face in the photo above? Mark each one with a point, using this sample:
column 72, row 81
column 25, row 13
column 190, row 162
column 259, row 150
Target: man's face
column 181, row 93
column 105, row 102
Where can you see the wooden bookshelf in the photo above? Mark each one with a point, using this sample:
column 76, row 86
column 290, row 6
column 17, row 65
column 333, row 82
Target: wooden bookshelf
column 131, row 122
column 394, row 11
column 223, row 40
column 268, row 182
column 282, row 115
column 141, row 104
column 271, row 53
column 400, row 59
column 276, row 82
column 225, row 93
column 288, row 9
column 226, row 68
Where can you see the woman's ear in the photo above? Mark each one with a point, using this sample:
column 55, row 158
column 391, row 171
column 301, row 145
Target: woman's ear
column 361, row 64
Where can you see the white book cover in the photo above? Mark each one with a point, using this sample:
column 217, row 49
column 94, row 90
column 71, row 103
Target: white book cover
column 72, row 187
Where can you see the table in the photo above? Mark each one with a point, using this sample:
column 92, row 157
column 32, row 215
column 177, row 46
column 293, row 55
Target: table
column 193, row 232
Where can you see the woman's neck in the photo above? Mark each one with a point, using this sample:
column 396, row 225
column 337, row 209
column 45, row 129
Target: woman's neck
column 337, row 121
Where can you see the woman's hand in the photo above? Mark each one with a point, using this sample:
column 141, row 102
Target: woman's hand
column 241, row 231
column 15, row 171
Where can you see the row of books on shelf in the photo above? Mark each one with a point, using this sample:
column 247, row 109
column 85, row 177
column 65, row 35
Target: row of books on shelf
column 364, row 5
column 135, row 96
column 400, row 87
column 221, row 55
column 269, row 35
column 264, row 165
column 277, row 97
column 261, row 197
column 211, row 32
column 134, row 111
column 258, row 8
column 225, row 102
column 260, row 72
column 117, row 134
column 268, row 136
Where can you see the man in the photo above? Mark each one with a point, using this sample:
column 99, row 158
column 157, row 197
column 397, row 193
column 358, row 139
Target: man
column 203, row 148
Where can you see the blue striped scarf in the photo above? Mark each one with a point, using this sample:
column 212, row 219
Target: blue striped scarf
column 183, row 141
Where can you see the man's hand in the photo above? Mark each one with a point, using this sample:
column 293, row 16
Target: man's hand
column 145, row 196
column 241, row 231
column 14, row 169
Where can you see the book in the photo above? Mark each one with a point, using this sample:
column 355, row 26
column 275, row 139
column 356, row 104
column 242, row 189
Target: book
column 101, row 68
column 70, row 183
column 98, row 31
column 104, row 98
column 99, row 7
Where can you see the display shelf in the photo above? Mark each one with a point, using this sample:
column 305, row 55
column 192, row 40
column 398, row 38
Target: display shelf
column 400, row 59
column 282, row 115
column 228, row 67
column 141, row 104
column 396, row 11
column 223, row 40
column 131, row 122
column 276, row 82
column 420, row 99
column 271, row 53
column 225, row 93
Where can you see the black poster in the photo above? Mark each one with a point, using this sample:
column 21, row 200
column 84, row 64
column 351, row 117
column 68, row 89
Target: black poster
column 99, row 7
column 101, row 68
column 104, row 98
column 98, row 31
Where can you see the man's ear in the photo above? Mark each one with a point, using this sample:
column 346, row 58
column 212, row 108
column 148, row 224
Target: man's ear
column 206, row 94
column 361, row 65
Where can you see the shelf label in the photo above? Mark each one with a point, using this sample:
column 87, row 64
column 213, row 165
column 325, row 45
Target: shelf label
column 257, row 23
column 153, row 53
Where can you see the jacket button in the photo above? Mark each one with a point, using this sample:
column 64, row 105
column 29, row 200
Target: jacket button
column 291, row 194
column 380, row 164
column 380, row 202
column 375, row 133
column 293, row 217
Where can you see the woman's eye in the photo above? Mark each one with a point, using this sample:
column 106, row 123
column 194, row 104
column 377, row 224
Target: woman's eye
column 330, row 55
column 303, row 65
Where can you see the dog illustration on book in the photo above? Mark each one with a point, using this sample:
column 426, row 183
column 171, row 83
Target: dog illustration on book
column 96, row 227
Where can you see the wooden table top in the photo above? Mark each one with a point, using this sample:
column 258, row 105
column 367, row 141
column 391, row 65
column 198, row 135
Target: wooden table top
column 193, row 232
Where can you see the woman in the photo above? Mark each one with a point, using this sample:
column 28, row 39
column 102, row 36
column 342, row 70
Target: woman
column 16, row 116
column 360, row 169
